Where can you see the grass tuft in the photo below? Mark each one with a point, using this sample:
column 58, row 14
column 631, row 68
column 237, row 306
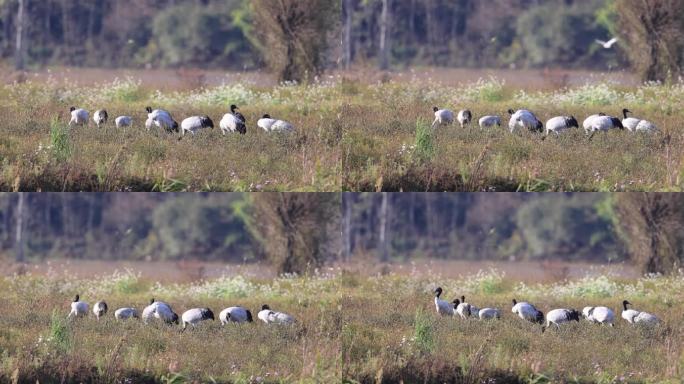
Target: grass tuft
column 60, row 144
column 60, row 337
column 424, row 333
column 425, row 147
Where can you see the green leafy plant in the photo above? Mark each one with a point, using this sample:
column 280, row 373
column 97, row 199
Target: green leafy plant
column 424, row 332
column 60, row 337
column 60, row 144
column 425, row 146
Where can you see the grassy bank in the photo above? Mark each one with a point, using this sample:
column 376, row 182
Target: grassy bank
column 351, row 136
column 349, row 329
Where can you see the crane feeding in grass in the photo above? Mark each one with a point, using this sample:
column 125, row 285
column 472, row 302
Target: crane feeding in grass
column 443, row 307
column 196, row 316
column 158, row 310
column 490, row 122
column 269, row 124
column 123, row 121
column 604, row 124
column 79, row 116
column 148, row 311
column 165, row 314
column 599, row 315
column 589, row 121
column 269, row 316
column 282, row 126
column 126, row 313
column 464, row 117
column 161, row 119
column 635, row 317
column 561, row 124
column 527, row 311
column 630, row 123
column 466, row 310
column 634, row 124
column 646, row 126
column 194, row 124
column 100, row 117
column 236, row 111
column 524, row 119
column 560, row 316
column 442, row 117
column 489, row 313
column 266, row 122
column 78, row 308
column 100, row 309
column 233, row 122
column 235, row 315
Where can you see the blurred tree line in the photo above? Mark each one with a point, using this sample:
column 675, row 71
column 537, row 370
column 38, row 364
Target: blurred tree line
column 644, row 228
column 492, row 33
column 293, row 231
column 129, row 33
column 301, row 231
column 481, row 226
column 131, row 226
column 239, row 34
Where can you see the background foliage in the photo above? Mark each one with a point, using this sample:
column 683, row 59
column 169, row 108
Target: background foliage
column 475, row 226
column 224, row 33
column 300, row 231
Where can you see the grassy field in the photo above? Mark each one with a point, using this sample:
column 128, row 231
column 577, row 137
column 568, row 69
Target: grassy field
column 392, row 333
column 352, row 136
column 350, row 329
column 38, row 344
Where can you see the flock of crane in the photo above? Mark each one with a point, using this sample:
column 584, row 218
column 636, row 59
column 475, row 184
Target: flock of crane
column 528, row 312
column 160, row 311
column 525, row 119
column 235, row 122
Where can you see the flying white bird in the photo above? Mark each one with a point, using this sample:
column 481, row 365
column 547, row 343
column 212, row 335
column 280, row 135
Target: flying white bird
column 607, row 44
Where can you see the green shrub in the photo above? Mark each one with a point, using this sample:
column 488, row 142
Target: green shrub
column 424, row 332
column 60, row 336
column 60, row 144
column 425, row 147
